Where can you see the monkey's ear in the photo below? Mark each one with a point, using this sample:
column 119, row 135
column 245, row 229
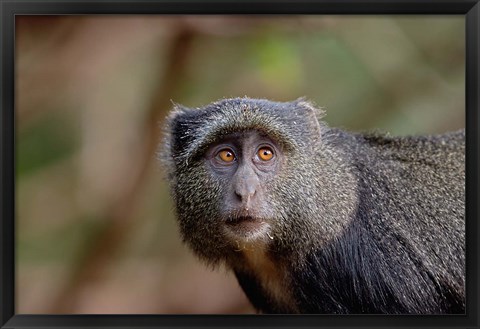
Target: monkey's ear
column 177, row 109
column 303, row 102
column 165, row 152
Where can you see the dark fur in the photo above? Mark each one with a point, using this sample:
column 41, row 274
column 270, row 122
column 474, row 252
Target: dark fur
column 363, row 223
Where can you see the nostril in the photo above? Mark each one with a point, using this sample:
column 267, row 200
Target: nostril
column 245, row 193
column 245, row 187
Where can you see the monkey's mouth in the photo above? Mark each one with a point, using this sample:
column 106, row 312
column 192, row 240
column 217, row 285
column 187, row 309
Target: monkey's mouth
column 246, row 227
column 241, row 219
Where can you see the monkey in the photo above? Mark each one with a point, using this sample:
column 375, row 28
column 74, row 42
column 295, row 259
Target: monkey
column 313, row 219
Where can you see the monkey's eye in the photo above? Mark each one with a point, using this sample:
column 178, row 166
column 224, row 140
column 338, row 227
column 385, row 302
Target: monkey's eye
column 265, row 153
column 226, row 155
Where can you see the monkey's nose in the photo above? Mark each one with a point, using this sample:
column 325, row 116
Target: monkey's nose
column 245, row 194
column 246, row 189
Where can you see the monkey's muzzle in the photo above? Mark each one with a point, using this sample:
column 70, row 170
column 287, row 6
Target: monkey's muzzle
column 247, row 227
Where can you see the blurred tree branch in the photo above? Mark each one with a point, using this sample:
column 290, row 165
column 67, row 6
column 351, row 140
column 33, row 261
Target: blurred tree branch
column 119, row 216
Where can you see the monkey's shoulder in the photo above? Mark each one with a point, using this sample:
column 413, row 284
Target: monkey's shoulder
column 410, row 175
column 444, row 149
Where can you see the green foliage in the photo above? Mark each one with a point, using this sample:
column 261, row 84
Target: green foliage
column 277, row 59
column 61, row 243
column 45, row 142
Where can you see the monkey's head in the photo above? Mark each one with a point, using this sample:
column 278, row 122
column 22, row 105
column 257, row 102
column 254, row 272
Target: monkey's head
column 245, row 173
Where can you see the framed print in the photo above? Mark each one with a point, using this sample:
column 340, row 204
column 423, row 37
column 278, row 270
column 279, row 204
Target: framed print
column 130, row 197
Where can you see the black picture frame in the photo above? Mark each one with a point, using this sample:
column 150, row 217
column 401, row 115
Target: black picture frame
column 10, row 8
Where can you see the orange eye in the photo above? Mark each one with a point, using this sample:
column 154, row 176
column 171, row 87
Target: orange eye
column 265, row 153
column 226, row 155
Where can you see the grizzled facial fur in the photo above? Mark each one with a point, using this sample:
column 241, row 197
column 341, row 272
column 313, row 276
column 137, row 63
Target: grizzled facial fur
column 235, row 165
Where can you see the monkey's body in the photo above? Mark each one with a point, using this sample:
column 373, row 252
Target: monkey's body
column 401, row 252
column 354, row 223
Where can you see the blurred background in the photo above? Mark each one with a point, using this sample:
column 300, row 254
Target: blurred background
column 95, row 227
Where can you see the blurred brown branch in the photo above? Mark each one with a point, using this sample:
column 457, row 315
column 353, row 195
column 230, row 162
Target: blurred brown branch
column 119, row 216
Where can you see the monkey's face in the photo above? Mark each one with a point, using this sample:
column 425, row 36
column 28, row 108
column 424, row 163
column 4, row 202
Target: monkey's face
column 244, row 165
column 244, row 172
